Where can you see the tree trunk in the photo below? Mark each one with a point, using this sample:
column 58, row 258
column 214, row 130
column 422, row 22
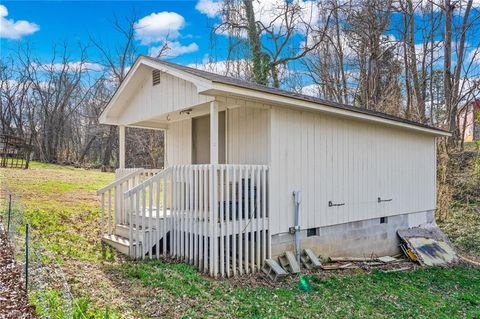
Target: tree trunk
column 107, row 155
column 447, row 73
column 259, row 59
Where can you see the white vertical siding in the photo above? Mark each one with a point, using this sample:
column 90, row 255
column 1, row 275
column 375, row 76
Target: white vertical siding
column 346, row 161
column 248, row 135
column 171, row 94
column 179, row 143
column 248, row 138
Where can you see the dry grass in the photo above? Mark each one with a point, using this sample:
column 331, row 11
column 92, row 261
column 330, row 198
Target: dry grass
column 460, row 195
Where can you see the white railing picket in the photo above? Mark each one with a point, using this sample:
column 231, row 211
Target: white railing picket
column 227, row 221
column 257, row 218
column 166, row 219
column 251, row 183
column 264, row 200
column 157, row 215
column 144, row 212
column 190, row 215
column 137, row 227
column 205, row 218
column 221, row 223
column 150, row 216
column 240, row 220
column 234, row 221
column 201, row 221
column 109, row 212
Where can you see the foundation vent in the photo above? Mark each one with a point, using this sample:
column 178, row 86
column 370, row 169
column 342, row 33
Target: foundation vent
column 155, row 77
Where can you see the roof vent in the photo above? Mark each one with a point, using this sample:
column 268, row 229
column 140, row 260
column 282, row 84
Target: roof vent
column 155, row 77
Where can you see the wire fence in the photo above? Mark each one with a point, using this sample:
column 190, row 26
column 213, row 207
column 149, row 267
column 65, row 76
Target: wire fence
column 44, row 280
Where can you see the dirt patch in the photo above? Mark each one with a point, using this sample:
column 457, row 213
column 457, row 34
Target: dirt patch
column 13, row 299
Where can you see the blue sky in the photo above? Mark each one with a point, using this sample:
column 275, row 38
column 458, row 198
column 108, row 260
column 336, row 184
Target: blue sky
column 187, row 24
column 74, row 21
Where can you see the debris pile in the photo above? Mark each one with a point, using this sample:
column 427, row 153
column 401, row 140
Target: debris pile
column 384, row 263
column 424, row 246
column 287, row 264
column 429, row 246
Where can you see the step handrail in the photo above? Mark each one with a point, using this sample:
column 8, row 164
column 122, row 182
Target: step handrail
column 119, row 181
column 147, row 182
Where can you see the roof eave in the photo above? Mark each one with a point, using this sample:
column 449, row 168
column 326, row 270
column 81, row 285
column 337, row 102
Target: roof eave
column 219, row 88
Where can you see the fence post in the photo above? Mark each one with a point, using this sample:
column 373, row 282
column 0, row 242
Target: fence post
column 9, row 213
column 27, row 248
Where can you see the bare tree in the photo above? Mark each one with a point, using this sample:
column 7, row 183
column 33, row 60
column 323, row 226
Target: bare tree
column 273, row 43
column 118, row 62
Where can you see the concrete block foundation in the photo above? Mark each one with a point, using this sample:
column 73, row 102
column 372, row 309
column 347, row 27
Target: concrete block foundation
column 377, row 236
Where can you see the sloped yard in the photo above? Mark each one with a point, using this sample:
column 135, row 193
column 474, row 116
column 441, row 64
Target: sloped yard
column 60, row 204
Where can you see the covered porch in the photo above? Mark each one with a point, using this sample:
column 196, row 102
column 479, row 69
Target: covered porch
column 201, row 208
column 207, row 207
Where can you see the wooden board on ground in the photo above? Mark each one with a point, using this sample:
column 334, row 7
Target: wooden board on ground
column 387, row 259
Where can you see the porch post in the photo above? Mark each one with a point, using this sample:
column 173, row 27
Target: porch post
column 213, row 132
column 121, row 143
column 212, row 225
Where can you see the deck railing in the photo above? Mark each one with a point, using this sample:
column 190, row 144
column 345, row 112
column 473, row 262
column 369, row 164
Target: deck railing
column 112, row 205
column 145, row 173
column 212, row 216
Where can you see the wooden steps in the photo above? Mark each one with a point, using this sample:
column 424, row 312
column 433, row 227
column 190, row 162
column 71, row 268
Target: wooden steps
column 120, row 243
column 119, row 240
column 124, row 231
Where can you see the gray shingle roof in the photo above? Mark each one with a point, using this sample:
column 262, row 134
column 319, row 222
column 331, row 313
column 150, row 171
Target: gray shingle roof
column 262, row 88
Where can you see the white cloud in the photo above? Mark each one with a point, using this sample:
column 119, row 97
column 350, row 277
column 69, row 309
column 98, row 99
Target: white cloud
column 239, row 68
column 72, row 66
column 157, row 27
column 474, row 56
column 311, row 90
column 173, row 50
column 208, row 7
column 11, row 29
column 269, row 13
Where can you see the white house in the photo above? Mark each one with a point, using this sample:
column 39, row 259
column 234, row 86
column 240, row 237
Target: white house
column 236, row 152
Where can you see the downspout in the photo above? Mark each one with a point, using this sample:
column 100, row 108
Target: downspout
column 297, row 197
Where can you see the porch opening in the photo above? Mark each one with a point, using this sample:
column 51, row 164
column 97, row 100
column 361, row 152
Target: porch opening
column 201, row 139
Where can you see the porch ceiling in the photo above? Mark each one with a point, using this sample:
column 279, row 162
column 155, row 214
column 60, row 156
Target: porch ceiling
column 162, row 121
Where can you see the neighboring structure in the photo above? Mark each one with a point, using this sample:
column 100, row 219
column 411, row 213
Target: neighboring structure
column 14, row 152
column 236, row 152
column 469, row 121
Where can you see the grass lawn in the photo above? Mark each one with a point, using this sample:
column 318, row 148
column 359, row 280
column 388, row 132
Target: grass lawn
column 60, row 204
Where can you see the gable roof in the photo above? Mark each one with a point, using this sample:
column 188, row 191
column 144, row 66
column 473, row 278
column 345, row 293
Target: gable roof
column 213, row 77
column 211, row 84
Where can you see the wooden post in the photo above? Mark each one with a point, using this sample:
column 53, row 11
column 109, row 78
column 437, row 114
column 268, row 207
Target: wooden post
column 213, row 132
column 121, row 143
column 212, row 221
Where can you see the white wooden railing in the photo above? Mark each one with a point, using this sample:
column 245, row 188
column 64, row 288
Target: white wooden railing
column 112, row 208
column 144, row 174
column 212, row 216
